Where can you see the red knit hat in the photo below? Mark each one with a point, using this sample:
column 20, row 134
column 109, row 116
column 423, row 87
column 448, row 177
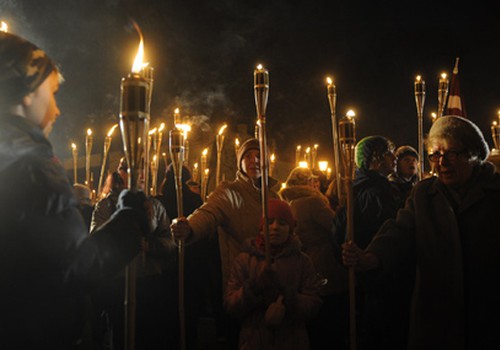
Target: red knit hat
column 278, row 209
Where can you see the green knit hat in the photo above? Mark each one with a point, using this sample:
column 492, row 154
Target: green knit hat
column 371, row 148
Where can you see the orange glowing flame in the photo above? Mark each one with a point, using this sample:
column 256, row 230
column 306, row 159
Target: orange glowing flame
column 299, row 147
column 273, row 158
column 329, row 80
column 195, row 165
column 4, row 27
column 112, row 130
column 73, row 146
column 221, row 130
column 207, row 171
column 443, row 76
column 237, row 142
column 139, row 58
column 89, row 132
column 260, row 67
column 350, row 114
column 177, row 111
column 205, row 152
column 152, row 131
column 308, row 149
column 162, row 126
column 323, row 165
column 418, row 78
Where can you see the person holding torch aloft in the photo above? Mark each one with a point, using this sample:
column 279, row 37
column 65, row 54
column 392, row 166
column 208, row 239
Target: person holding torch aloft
column 47, row 260
column 448, row 231
column 383, row 303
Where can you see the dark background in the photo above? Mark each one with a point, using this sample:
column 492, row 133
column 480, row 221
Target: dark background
column 204, row 53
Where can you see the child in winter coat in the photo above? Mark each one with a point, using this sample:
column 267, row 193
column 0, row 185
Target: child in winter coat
column 274, row 302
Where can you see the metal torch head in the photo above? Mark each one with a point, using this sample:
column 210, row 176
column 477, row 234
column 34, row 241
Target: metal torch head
column 261, row 89
column 134, row 124
column 495, row 134
column 420, row 96
column 347, row 140
column 176, row 147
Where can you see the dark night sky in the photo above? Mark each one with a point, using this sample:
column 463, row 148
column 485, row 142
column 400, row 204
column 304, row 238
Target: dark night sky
column 204, row 53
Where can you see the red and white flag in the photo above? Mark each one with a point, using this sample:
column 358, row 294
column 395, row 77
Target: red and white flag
column 455, row 105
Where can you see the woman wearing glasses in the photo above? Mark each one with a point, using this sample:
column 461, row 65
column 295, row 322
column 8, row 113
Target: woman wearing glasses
column 449, row 230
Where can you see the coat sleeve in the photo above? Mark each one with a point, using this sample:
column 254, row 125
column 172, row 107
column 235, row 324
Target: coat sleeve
column 395, row 242
column 212, row 213
column 239, row 299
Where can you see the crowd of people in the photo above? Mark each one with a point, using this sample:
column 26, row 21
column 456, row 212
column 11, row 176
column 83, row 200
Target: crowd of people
column 424, row 250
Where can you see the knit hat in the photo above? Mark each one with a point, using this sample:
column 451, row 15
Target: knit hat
column 23, row 68
column 244, row 148
column 279, row 209
column 299, row 177
column 371, row 148
column 403, row 151
column 458, row 129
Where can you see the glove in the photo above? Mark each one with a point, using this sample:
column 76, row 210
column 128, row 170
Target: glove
column 138, row 202
column 275, row 313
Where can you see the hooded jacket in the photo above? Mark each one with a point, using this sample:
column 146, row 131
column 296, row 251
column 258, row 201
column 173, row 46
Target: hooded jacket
column 47, row 260
column 315, row 229
column 297, row 282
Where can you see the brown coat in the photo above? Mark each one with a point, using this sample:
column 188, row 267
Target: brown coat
column 457, row 291
column 298, row 284
column 315, row 223
column 233, row 210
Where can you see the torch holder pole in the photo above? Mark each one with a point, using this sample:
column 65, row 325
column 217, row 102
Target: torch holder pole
column 176, row 143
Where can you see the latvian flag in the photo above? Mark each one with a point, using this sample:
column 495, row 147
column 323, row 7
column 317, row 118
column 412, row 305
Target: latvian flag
column 455, row 105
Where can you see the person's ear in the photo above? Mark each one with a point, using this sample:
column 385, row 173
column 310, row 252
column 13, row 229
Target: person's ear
column 27, row 99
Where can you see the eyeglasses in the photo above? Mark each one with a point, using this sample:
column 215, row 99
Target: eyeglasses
column 450, row 156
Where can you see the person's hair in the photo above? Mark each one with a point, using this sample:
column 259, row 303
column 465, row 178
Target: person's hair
column 113, row 183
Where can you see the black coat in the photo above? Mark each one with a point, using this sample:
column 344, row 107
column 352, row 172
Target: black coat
column 47, row 260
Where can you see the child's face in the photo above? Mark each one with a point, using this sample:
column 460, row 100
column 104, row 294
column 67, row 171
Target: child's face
column 279, row 230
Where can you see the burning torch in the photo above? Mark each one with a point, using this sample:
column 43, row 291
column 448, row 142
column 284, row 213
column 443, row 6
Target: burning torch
column 74, row 150
column 261, row 92
column 332, row 99
column 88, row 151
column 442, row 94
column 219, row 143
column 298, row 155
column 495, row 134
column 134, row 126
column 420, row 101
column 176, row 146
column 204, row 164
column 347, row 138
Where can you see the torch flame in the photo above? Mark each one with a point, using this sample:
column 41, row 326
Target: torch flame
column 495, row 123
column 299, row 147
column 316, row 146
column 152, row 131
column 162, row 126
column 273, row 158
column 4, row 27
column 73, row 146
column 329, row 81
column 418, row 78
column 139, row 58
column 259, row 66
column 221, row 130
column 207, row 171
column 236, row 142
column 89, row 132
column 443, row 76
column 205, row 152
column 323, row 165
column 195, row 165
column 350, row 114
column 112, row 130
column 308, row 149
column 177, row 110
